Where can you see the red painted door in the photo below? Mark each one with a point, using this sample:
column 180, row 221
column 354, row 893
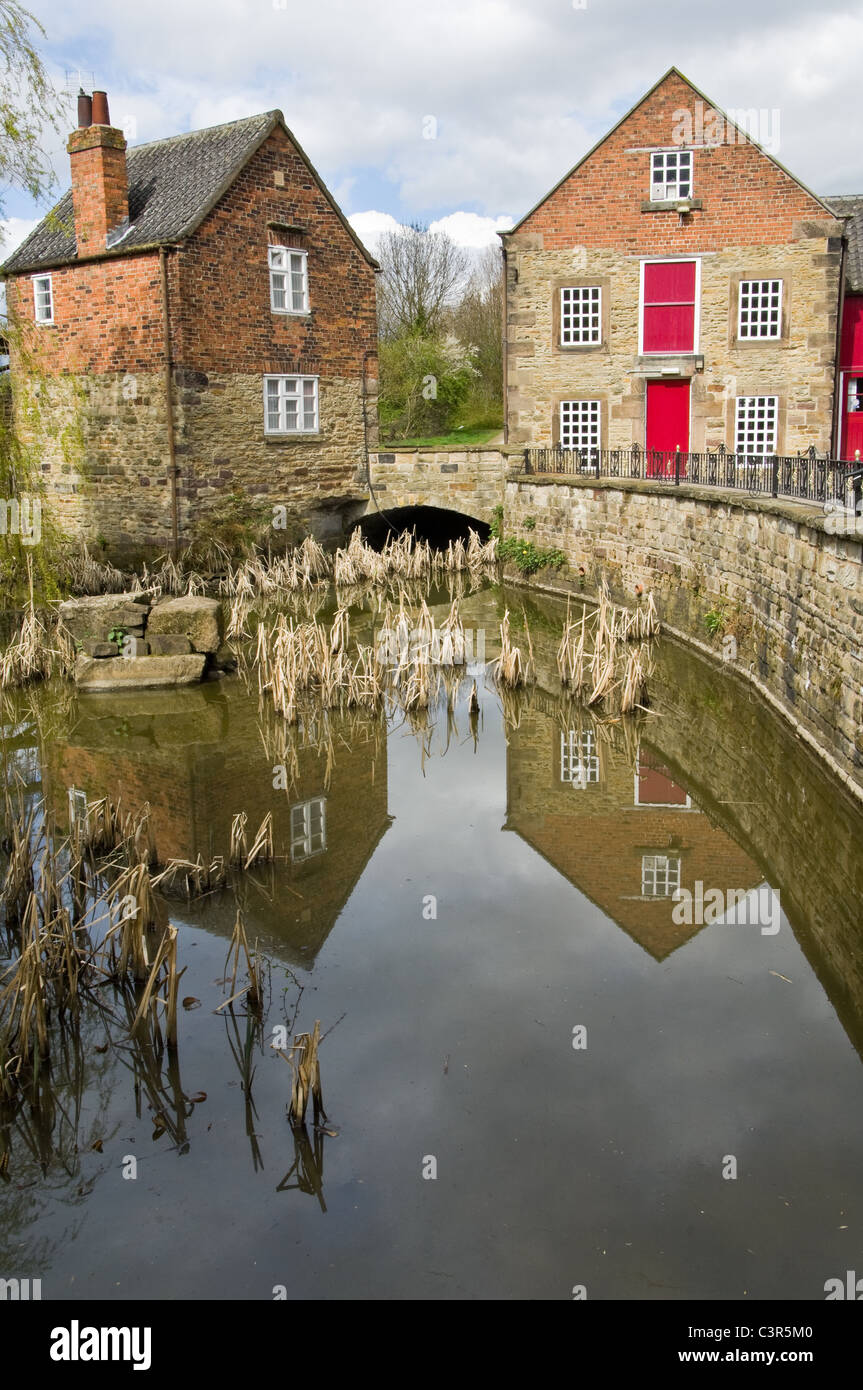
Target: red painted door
column 667, row 425
column 852, row 419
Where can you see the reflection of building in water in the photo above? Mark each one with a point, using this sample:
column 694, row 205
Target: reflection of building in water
column 626, row 839
column 197, row 757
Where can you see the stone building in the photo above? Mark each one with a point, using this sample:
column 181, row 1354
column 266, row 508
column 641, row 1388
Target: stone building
column 679, row 289
column 196, row 317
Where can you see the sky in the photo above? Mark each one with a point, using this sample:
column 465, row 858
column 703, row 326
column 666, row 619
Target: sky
column 457, row 114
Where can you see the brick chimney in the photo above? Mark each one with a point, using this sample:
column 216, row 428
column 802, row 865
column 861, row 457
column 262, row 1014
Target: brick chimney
column 100, row 189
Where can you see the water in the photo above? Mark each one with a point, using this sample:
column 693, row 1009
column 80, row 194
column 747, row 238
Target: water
column 457, row 909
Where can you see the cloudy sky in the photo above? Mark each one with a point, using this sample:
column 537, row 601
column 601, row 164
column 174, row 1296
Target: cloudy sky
column 458, row 112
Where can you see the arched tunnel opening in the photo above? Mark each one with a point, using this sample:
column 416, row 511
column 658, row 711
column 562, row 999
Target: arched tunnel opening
column 433, row 524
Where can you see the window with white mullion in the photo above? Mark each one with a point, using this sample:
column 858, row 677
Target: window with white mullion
column 43, row 298
column 308, row 828
column 289, row 281
column 581, row 314
column 579, row 759
column 760, row 309
column 291, row 404
column 670, row 175
column 660, row 876
column 756, row 425
column 580, row 426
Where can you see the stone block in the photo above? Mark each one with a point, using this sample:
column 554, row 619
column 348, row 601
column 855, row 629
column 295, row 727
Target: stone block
column 169, row 644
column 137, row 673
column 193, row 616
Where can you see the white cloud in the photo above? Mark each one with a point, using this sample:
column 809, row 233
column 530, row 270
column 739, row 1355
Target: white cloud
column 466, row 229
column 469, row 229
column 519, row 89
column 13, row 230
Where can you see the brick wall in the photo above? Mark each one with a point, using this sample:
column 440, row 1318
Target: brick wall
column 90, row 398
column 755, row 222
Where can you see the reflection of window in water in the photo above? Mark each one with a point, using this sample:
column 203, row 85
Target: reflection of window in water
column 308, row 828
column 77, row 805
column 855, row 393
column 579, row 760
column 660, row 876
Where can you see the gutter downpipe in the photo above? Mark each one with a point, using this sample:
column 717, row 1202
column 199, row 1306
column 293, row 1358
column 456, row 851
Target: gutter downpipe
column 837, row 382
column 169, row 402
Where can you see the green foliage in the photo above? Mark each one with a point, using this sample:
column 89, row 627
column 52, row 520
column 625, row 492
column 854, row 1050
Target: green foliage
column 529, row 557
column 496, row 526
column 117, row 634
column 530, row 523
column 457, row 439
column 423, row 380
column 714, row 621
column 29, row 105
column 235, row 527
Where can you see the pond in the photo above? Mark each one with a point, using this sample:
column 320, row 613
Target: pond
column 542, row 1071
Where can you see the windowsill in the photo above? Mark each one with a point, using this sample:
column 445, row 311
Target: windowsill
column 292, row 313
column 782, row 341
column 297, row 437
column 670, row 204
column 579, row 347
column 45, row 323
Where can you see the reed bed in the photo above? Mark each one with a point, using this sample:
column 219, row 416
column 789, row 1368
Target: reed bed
column 515, row 666
column 594, row 660
column 41, row 649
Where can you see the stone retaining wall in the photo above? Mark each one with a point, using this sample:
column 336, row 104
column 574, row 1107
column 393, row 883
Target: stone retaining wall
column 787, row 591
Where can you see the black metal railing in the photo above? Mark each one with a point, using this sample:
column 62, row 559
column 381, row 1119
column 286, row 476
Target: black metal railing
column 808, row 477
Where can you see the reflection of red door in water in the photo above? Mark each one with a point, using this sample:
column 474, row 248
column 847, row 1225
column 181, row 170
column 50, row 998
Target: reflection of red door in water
column 667, row 425
column 654, row 785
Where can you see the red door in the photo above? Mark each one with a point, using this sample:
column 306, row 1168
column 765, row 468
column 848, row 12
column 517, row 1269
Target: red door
column 852, row 416
column 667, row 426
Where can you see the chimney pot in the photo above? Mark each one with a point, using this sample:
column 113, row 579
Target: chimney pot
column 85, row 110
column 100, row 109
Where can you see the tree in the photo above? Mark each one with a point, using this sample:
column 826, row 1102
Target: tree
column 421, row 273
column 29, row 105
column 478, row 320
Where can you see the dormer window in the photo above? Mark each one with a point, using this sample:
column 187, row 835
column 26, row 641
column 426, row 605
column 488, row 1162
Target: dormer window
column 289, row 281
column 670, row 175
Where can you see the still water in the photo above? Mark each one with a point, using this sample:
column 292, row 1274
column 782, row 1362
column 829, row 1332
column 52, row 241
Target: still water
column 460, row 906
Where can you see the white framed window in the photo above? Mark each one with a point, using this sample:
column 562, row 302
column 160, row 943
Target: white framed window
column 759, row 313
column 670, row 175
column 308, row 828
column 757, row 421
column 291, row 404
column 579, row 758
column 289, row 280
column 581, row 314
column 660, row 876
column 580, row 426
column 43, row 298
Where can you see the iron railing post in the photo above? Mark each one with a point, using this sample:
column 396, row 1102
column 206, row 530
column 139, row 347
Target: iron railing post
column 775, row 473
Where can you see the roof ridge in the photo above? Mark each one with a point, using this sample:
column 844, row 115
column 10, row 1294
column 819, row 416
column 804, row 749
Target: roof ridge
column 206, row 130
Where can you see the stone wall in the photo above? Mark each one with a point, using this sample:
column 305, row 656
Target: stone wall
column 750, row 219
column 89, row 390
column 98, row 444
column 470, row 481
column 787, row 591
column 797, row 368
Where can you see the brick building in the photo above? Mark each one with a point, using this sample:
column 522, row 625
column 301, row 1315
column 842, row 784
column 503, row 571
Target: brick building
column 627, row 840
column 680, row 289
column 195, row 317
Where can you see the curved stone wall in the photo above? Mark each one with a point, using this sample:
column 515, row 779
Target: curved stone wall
column 768, row 586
